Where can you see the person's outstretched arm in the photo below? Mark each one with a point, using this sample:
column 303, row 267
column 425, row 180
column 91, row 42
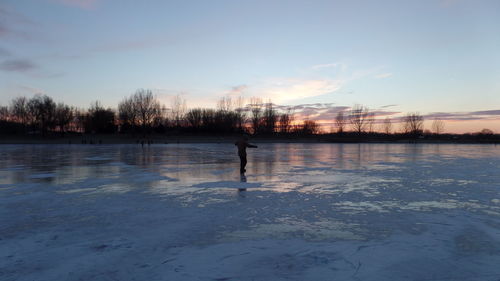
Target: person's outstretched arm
column 251, row 145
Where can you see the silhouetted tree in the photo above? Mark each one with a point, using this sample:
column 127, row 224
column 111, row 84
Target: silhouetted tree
column 256, row 114
column 178, row 110
column 269, row 119
column 358, row 118
column 340, row 122
column 370, row 122
column 486, row 132
column 80, row 120
column 142, row 109
column 227, row 119
column 127, row 115
column 240, row 113
column 285, row 121
column 308, row 127
column 4, row 113
column 438, row 126
column 19, row 110
column 413, row 123
column 194, row 117
column 208, row 120
column 99, row 119
column 147, row 108
column 225, row 104
column 63, row 116
column 387, row 126
column 42, row 112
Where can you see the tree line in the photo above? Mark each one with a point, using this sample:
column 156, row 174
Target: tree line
column 142, row 113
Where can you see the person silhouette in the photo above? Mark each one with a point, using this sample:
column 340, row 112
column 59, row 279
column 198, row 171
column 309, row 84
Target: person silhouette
column 242, row 145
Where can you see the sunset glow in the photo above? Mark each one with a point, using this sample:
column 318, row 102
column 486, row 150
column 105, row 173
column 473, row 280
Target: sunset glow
column 440, row 58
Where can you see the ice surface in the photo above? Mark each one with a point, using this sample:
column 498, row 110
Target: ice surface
column 302, row 212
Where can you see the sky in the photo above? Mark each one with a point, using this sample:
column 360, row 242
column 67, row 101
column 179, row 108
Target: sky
column 440, row 58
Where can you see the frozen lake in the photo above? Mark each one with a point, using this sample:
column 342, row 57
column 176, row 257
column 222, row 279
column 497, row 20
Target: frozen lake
column 309, row 212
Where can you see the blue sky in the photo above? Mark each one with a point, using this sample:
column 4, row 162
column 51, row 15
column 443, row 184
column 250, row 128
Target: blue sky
column 433, row 56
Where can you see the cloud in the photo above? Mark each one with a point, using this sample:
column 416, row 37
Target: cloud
column 464, row 116
column 312, row 111
column 326, row 113
column 17, row 65
column 83, row 4
column 12, row 23
column 383, row 75
column 326, row 65
column 383, row 113
column 389, row 105
column 237, row 90
column 486, row 112
column 293, row 89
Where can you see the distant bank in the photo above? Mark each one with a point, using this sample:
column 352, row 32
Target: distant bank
column 96, row 139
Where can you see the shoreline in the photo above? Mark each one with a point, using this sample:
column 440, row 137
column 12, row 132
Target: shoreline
column 177, row 139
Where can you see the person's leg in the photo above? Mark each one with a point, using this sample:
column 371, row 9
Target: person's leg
column 243, row 163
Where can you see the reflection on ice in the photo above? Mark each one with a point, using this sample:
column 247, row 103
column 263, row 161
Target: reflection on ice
column 282, row 228
column 301, row 212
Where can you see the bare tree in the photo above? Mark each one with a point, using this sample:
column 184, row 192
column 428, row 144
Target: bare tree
column 225, row 104
column 19, row 110
column 239, row 104
column 387, row 126
column 147, row 108
column 438, row 126
column 80, row 120
column 358, row 118
column 486, row 132
column 141, row 109
column 194, row 117
column 285, row 121
column 370, row 122
column 308, row 127
column 340, row 122
column 256, row 113
column 208, row 119
column 99, row 119
column 413, row 123
column 63, row 116
column 4, row 113
column 178, row 110
column 42, row 111
column 127, row 114
column 227, row 118
column 270, row 118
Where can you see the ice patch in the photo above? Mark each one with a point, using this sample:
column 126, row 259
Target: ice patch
column 223, row 171
column 41, row 176
column 76, row 190
column 227, row 184
column 14, row 168
column 97, row 158
column 287, row 229
column 113, row 188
